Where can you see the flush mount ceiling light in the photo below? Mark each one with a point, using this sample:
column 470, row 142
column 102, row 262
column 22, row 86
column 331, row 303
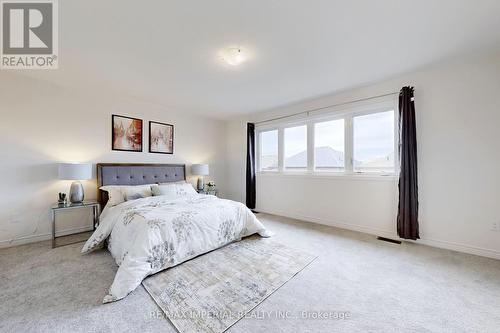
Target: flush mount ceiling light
column 234, row 56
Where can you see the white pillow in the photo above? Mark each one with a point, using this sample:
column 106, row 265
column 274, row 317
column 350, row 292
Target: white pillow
column 137, row 192
column 164, row 190
column 185, row 189
column 115, row 195
column 173, row 190
column 121, row 193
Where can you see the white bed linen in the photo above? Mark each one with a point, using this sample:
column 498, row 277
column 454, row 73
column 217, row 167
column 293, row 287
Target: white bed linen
column 151, row 234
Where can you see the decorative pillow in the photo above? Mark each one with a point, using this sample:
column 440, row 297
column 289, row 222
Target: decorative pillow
column 164, row 190
column 137, row 192
column 173, row 190
column 184, row 189
column 115, row 195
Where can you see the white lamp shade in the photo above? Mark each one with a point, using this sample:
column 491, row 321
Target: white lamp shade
column 199, row 169
column 69, row 171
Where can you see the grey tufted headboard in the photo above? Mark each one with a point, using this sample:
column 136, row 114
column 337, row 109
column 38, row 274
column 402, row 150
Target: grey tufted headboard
column 136, row 174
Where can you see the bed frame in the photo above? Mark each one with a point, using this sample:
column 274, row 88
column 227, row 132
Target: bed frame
column 136, row 174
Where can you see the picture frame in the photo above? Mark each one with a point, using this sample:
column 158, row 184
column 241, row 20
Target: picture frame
column 126, row 133
column 161, row 138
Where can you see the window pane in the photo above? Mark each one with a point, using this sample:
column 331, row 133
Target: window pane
column 269, row 150
column 296, row 147
column 329, row 145
column 374, row 142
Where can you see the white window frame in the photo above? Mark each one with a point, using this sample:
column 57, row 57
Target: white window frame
column 259, row 148
column 396, row 140
column 282, row 155
column 327, row 114
column 346, row 143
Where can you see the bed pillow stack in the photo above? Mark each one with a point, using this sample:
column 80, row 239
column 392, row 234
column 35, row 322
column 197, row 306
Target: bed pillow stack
column 121, row 193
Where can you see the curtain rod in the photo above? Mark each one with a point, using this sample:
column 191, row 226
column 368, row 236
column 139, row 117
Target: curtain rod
column 325, row 107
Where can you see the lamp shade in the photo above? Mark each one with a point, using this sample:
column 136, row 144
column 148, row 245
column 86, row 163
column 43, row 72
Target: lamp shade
column 69, row 171
column 199, row 169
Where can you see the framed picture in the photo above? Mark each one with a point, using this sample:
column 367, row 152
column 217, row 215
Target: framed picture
column 161, row 138
column 127, row 133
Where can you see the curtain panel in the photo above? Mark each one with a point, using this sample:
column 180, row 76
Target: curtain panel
column 250, row 183
column 407, row 221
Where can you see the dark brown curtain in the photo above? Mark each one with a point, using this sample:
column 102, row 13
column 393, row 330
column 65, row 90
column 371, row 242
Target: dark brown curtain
column 408, row 183
column 250, row 166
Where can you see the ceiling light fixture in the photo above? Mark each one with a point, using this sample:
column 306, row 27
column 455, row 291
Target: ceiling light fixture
column 234, row 56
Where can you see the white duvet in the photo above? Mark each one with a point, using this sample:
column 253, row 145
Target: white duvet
column 151, row 234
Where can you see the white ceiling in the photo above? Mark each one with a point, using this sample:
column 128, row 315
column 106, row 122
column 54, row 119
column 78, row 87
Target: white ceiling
column 167, row 51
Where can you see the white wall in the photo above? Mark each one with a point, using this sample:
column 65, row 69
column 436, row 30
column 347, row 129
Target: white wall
column 458, row 119
column 458, row 114
column 42, row 124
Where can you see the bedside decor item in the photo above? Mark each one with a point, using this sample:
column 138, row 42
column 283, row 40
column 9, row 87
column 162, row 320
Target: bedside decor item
column 200, row 170
column 211, row 189
column 127, row 133
column 76, row 172
column 161, row 138
column 62, row 198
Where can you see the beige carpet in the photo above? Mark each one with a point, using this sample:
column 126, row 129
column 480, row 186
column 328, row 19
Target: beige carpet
column 384, row 287
column 213, row 291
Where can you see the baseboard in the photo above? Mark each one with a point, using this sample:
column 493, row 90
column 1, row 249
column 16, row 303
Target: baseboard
column 41, row 237
column 24, row 240
column 479, row 251
column 469, row 249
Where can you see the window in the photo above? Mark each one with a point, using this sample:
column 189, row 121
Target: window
column 295, row 141
column 362, row 139
column 373, row 142
column 329, row 146
column 269, row 150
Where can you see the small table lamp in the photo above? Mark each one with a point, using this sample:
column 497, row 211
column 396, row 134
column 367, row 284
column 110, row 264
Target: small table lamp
column 200, row 170
column 77, row 172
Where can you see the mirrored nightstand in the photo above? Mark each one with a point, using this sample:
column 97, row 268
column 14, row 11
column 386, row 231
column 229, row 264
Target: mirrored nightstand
column 94, row 205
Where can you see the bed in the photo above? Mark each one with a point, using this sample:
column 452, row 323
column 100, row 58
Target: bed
column 149, row 234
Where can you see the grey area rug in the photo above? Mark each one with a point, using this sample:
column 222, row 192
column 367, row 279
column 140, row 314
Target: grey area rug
column 212, row 292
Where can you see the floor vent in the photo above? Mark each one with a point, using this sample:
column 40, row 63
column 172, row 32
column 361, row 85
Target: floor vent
column 389, row 240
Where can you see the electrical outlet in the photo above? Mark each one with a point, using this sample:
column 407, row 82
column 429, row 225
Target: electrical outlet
column 495, row 226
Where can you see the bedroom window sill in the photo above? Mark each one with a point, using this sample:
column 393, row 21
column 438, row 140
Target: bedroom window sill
column 331, row 175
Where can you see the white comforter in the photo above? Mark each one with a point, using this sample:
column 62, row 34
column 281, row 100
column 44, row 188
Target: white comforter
column 151, row 234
